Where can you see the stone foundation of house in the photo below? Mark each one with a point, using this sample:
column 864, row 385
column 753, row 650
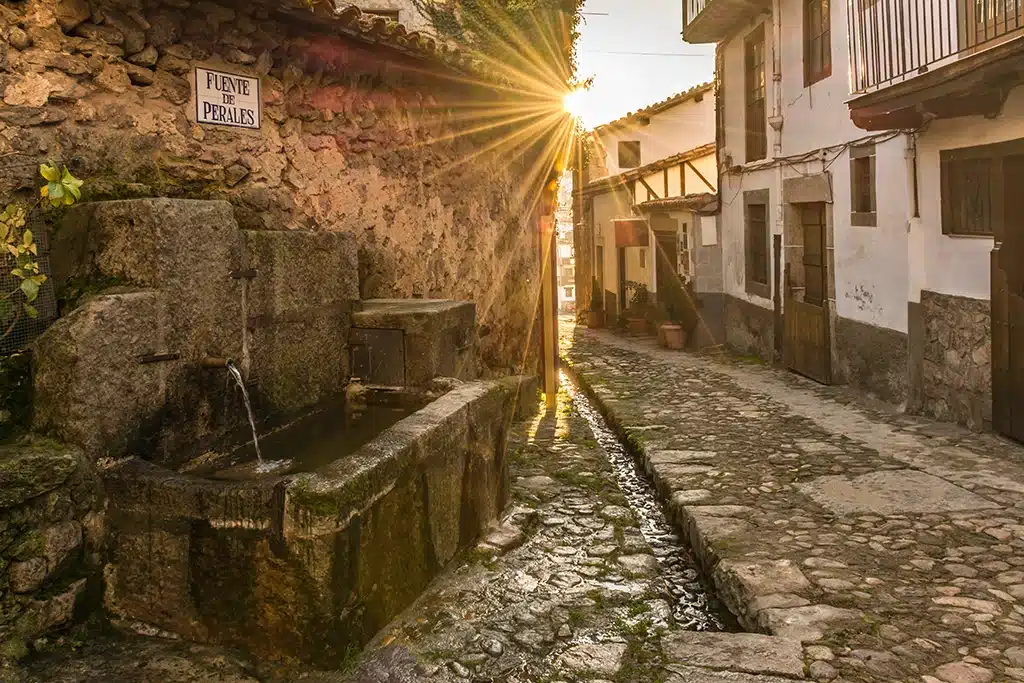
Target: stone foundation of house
column 951, row 359
column 872, row 359
column 749, row 329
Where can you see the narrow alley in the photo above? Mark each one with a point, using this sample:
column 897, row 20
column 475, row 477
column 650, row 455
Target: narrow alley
column 891, row 546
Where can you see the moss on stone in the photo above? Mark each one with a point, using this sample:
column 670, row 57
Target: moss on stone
column 15, row 395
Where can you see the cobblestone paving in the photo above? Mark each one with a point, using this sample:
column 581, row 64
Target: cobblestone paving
column 891, row 547
column 567, row 589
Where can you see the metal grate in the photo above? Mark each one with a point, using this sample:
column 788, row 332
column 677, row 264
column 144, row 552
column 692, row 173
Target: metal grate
column 20, row 173
column 19, row 332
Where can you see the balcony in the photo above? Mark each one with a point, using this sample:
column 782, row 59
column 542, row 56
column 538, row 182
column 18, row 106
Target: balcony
column 911, row 60
column 709, row 21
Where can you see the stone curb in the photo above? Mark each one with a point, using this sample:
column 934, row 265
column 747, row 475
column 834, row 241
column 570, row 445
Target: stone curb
column 767, row 596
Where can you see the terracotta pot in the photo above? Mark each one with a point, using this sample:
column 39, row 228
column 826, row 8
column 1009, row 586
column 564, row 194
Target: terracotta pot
column 595, row 319
column 638, row 326
column 672, row 336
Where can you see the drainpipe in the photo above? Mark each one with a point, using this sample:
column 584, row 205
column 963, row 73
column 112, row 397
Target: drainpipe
column 776, row 119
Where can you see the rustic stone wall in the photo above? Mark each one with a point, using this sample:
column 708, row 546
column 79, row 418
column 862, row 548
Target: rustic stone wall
column 871, row 358
column 355, row 139
column 749, row 329
column 51, row 528
column 956, row 366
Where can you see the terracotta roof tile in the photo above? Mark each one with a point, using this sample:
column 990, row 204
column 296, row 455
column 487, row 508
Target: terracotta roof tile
column 349, row 20
column 658, row 107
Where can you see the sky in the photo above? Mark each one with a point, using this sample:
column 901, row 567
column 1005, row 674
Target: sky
column 625, row 80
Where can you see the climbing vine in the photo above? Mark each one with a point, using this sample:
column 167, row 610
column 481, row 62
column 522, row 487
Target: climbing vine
column 508, row 30
column 61, row 188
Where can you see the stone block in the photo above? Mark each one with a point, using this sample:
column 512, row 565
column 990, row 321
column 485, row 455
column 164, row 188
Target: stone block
column 739, row 582
column 439, row 335
column 33, row 468
column 29, row 575
column 892, row 492
column 744, row 652
column 806, row 624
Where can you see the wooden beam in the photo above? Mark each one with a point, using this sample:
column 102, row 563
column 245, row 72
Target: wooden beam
column 649, row 188
column 701, row 176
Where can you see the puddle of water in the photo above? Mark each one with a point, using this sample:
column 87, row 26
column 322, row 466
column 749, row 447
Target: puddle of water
column 692, row 606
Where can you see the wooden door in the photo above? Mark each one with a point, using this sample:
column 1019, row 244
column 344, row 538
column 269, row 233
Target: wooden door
column 807, row 347
column 1008, row 310
column 667, row 247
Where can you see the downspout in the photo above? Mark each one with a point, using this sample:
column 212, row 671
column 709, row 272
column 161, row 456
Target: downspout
column 776, row 119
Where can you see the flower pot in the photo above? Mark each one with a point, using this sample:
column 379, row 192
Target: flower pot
column 672, row 336
column 637, row 326
column 595, row 319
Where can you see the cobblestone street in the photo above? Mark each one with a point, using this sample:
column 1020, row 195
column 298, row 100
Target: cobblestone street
column 890, row 546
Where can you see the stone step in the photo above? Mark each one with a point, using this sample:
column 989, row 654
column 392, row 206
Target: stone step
column 747, row 653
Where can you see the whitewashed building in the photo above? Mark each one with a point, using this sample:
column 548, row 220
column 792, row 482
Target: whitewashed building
column 652, row 176
column 865, row 154
column 951, row 71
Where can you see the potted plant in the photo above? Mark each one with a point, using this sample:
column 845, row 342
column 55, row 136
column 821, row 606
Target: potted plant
column 639, row 307
column 595, row 316
column 681, row 313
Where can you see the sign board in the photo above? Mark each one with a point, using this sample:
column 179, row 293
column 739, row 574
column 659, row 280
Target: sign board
column 224, row 99
column 631, row 232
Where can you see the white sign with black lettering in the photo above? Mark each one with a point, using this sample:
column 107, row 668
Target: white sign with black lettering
column 224, row 99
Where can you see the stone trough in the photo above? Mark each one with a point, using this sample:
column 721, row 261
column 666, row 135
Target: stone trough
column 309, row 566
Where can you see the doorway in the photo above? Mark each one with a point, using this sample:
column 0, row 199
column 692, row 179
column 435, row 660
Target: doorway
column 807, row 349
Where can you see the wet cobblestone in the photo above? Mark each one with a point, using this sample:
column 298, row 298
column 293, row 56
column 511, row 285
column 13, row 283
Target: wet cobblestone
column 892, row 546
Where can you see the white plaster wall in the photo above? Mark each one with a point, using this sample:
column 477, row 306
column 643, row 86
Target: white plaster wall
column 733, row 232
column 958, row 266
column 607, row 207
column 871, row 263
column 708, row 168
column 734, row 102
column 679, row 129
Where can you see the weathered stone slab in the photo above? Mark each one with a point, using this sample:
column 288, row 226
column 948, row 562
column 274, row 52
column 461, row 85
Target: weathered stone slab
column 603, row 659
column 892, row 492
column 806, row 624
column 688, row 674
column 739, row 582
column 681, row 457
column 744, row 652
column 27, row 471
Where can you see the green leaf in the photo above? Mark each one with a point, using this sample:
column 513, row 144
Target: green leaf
column 51, row 173
column 18, row 272
column 31, row 290
column 26, row 238
column 32, row 312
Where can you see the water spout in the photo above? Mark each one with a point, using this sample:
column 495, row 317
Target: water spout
column 211, row 362
column 240, row 381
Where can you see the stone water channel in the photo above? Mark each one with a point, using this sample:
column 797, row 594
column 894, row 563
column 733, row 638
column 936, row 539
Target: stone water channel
column 584, row 580
column 693, row 607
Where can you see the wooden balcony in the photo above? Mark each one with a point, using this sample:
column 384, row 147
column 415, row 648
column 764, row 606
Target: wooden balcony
column 911, row 60
column 709, row 21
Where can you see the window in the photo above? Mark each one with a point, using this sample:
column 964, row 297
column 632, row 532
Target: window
column 568, row 292
column 757, row 118
column 967, row 206
column 629, row 154
column 812, row 217
column 817, row 41
column 756, row 247
column 863, row 204
column 643, row 258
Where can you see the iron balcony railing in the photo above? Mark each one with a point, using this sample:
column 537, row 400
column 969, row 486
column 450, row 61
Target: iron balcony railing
column 693, row 8
column 894, row 40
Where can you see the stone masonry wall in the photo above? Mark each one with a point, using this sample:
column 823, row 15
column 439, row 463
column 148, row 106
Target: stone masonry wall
column 51, row 528
column 956, row 376
column 355, row 139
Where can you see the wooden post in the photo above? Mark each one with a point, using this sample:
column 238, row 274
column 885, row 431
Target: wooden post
column 549, row 305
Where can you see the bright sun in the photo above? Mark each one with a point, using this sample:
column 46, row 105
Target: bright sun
column 574, row 102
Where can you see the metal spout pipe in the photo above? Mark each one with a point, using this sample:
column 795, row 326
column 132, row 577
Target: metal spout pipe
column 211, row 362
